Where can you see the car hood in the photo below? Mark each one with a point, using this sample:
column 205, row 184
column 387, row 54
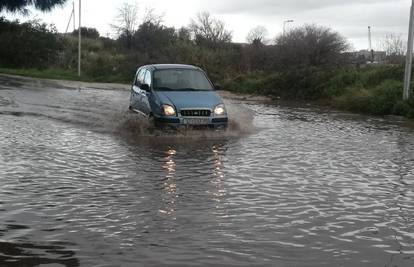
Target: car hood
column 190, row 99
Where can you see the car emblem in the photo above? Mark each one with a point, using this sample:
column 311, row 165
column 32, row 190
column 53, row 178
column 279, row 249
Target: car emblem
column 196, row 113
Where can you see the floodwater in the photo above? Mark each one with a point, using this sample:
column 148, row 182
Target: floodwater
column 83, row 182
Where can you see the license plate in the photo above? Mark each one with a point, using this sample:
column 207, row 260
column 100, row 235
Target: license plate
column 196, row 121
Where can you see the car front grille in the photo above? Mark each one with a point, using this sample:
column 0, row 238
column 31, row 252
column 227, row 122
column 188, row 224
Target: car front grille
column 196, row 113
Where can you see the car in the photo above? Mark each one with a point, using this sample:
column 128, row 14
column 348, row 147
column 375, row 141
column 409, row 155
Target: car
column 175, row 96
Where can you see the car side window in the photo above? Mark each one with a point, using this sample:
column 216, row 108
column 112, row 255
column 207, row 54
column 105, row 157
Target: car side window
column 140, row 77
column 136, row 82
column 136, row 78
column 147, row 79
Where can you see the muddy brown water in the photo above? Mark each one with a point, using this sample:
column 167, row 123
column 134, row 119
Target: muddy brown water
column 83, row 182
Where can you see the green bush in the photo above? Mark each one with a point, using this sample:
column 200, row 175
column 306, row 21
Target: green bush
column 376, row 75
column 305, row 84
column 344, row 78
column 28, row 45
column 383, row 99
column 355, row 99
column 245, row 84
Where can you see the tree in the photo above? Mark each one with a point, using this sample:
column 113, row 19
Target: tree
column 21, row 5
column 151, row 17
column 153, row 38
column 184, row 34
column 32, row 44
column 257, row 36
column 257, row 55
column 126, row 23
column 311, row 45
column 91, row 33
column 395, row 48
column 209, row 31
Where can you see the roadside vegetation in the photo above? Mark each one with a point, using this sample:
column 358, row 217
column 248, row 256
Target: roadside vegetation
column 371, row 90
column 308, row 63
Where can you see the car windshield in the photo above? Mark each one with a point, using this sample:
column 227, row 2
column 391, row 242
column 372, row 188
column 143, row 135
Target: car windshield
column 181, row 80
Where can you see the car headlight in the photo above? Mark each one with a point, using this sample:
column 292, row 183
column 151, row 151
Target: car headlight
column 220, row 110
column 168, row 110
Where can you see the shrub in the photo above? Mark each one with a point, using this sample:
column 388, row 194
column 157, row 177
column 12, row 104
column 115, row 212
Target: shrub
column 384, row 99
column 28, row 45
column 86, row 32
column 386, row 96
column 355, row 99
column 343, row 79
column 376, row 75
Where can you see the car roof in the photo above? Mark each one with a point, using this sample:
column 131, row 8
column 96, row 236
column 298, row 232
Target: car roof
column 171, row 66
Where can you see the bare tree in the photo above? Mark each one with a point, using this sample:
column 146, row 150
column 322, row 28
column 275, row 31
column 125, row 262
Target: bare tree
column 257, row 36
column 126, row 22
column 210, row 31
column 394, row 46
column 152, row 17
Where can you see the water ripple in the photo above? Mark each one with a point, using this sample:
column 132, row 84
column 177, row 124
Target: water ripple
column 84, row 186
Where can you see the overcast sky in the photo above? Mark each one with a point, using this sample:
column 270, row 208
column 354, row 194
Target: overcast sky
column 349, row 17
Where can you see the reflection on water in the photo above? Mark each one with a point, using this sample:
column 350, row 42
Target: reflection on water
column 170, row 195
column 84, row 183
column 27, row 254
column 218, row 172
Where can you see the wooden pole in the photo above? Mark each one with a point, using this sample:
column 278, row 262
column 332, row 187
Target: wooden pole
column 80, row 39
column 409, row 59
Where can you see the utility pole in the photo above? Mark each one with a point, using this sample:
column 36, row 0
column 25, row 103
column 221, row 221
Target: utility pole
column 409, row 59
column 74, row 19
column 371, row 51
column 284, row 25
column 80, row 38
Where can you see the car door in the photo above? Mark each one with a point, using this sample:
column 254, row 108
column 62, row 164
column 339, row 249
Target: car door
column 136, row 90
column 132, row 98
column 145, row 98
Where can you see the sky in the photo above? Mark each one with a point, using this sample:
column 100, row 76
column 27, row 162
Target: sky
column 350, row 18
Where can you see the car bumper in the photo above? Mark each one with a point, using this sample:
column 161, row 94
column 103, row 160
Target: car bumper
column 179, row 122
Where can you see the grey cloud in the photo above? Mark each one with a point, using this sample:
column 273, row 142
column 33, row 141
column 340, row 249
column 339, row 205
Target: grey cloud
column 278, row 7
column 349, row 17
column 387, row 15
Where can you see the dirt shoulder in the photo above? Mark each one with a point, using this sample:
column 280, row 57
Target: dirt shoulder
column 66, row 84
column 62, row 83
column 244, row 97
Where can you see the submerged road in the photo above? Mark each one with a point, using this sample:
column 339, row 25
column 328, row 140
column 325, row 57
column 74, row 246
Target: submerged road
column 83, row 182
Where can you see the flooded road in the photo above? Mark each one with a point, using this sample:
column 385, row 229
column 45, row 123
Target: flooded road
column 83, row 182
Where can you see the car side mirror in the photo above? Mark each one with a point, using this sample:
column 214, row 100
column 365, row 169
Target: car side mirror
column 145, row 87
column 217, row 87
